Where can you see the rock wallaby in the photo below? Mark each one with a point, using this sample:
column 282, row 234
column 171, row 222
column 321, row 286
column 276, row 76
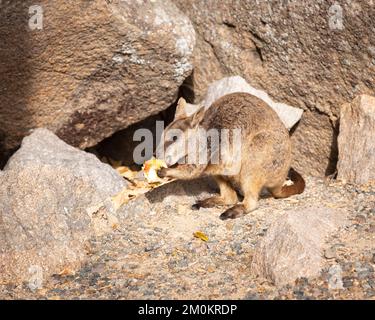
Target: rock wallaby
column 265, row 152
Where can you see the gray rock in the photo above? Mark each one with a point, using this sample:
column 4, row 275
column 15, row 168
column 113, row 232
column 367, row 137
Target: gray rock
column 335, row 278
column 348, row 282
column 294, row 244
column 53, row 198
column 357, row 141
column 314, row 153
column 288, row 115
column 330, row 253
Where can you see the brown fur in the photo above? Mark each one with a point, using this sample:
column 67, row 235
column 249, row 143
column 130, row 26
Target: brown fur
column 266, row 154
column 297, row 187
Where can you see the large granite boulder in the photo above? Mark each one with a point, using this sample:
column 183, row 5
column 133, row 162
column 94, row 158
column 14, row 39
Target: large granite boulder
column 357, row 141
column 53, row 198
column 86, row 69
column 294, row 244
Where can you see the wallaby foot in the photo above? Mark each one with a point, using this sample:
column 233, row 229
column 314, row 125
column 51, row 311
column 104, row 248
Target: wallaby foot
column 228, row 196
column 251, row 188
column 234, row 212
column 249, row 204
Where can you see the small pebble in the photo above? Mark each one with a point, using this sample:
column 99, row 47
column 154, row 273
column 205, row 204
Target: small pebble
column 360, row 218
column 330, row 253
column 347, row 282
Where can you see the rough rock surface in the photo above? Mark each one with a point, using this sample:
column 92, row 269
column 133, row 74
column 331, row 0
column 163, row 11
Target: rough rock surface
column 53, row 198
column 357, row 141
column 96, row 66
column 317, row 155
column 296, row 51
column 293, row 246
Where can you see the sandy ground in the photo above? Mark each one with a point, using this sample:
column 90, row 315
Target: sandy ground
column 154, row 254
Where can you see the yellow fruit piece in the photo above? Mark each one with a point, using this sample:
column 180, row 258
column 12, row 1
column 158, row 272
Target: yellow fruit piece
column 150, row 169
column 200, row 235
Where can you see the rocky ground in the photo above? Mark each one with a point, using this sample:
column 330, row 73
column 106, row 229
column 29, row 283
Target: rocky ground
column 62, row 236
column 153, row 254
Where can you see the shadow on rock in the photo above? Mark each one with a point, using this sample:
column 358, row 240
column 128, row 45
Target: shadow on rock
column 193, row 188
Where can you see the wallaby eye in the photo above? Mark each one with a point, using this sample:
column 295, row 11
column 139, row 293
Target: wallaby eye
column 174, row 138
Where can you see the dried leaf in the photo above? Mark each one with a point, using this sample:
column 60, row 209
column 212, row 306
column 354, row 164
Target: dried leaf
column 139, row 187
column 126, row 195
column 66, row 272
column 127, row 173
column 211, row 269
column 200, row 235
column 115, row 226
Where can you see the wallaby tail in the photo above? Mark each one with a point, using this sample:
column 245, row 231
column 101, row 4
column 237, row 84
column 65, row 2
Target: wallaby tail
column 297, row 187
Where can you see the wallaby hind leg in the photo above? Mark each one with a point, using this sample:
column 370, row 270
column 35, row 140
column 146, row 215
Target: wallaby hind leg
column 277, row 192
column 251, row 190
column 228, row 196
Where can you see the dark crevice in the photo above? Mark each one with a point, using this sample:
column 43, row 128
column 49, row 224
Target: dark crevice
column 294, row 128
column 120, row 146
column 256, row 37
column 334, row 155
column 259, row 51
column 5, row 155
column 187, row 89
column 229, row 24
column 258, row 43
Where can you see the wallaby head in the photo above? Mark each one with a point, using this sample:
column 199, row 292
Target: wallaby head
column 180, row 132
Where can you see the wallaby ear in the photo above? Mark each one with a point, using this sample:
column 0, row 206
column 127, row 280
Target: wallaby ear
column 197, row 117
column 180, row 109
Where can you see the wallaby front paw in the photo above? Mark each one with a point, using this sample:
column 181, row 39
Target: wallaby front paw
column 163, row 173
